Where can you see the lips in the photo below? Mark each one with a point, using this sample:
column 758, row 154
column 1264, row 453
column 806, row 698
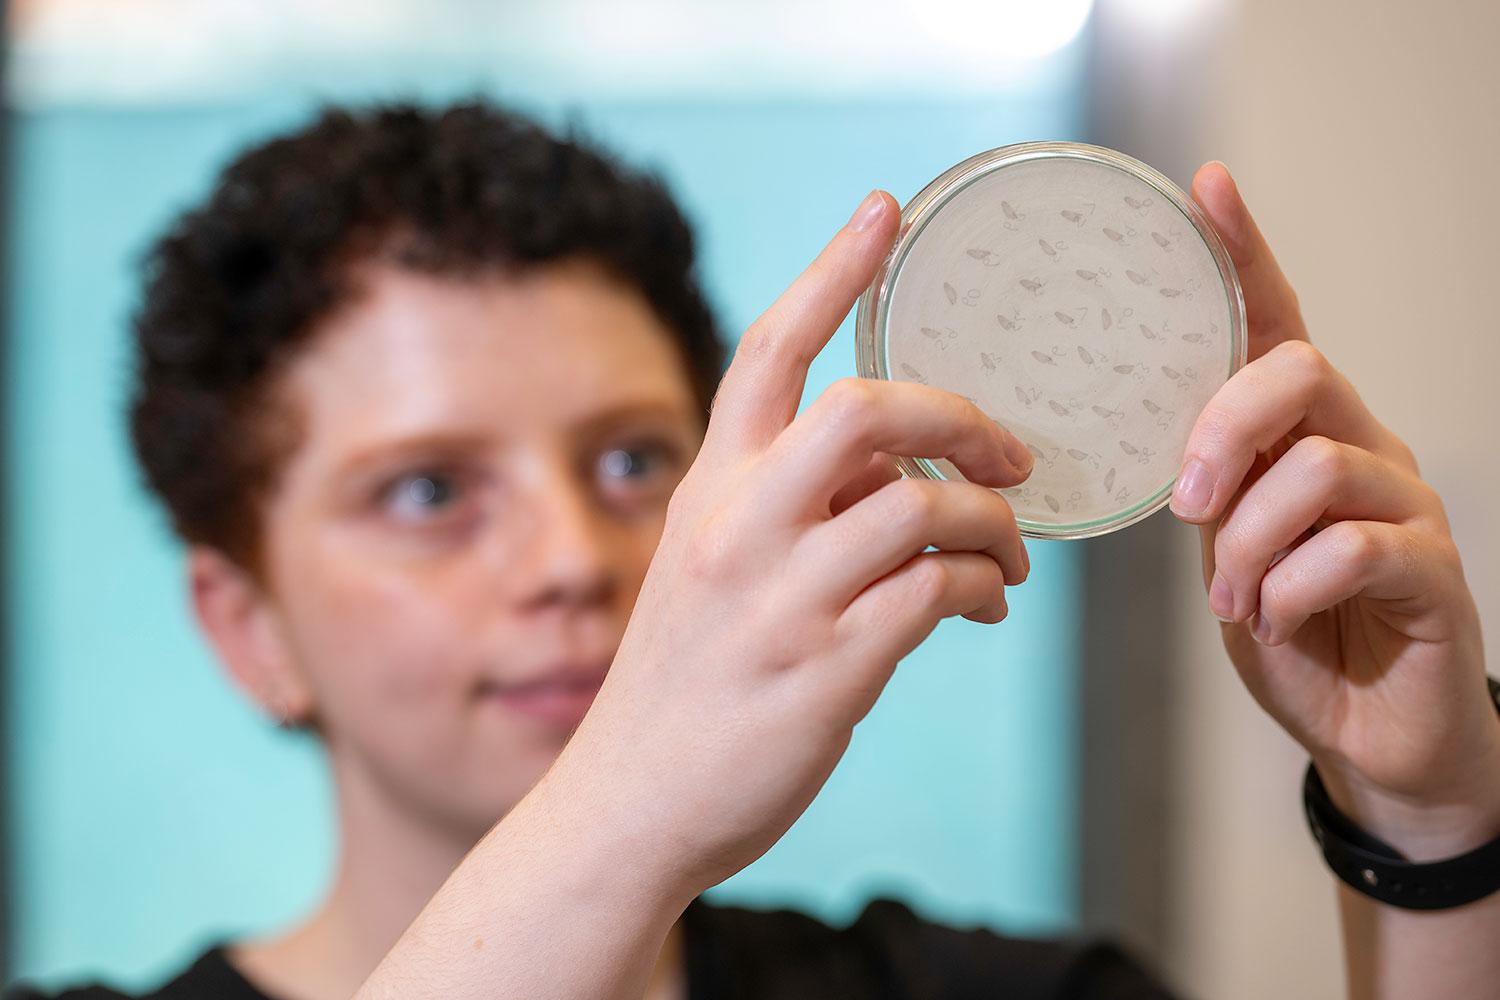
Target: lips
column 561, row 696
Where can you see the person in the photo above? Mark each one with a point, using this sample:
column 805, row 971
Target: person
column 433, row 399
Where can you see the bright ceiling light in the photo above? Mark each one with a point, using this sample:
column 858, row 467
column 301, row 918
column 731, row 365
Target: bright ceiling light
column 1015, row 29
column 1166, row 15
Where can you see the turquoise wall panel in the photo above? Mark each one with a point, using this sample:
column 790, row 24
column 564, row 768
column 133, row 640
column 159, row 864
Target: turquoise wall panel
column 152, row 809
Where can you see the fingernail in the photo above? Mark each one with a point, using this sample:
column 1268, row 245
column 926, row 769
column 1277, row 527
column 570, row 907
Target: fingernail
column 868, row 211
column 1233, row 228
column 1019, row 455
column 1195, row 486
column 1260, row 628
column 1221, row 599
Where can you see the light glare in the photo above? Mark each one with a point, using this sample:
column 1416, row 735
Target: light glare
column 1018, row 29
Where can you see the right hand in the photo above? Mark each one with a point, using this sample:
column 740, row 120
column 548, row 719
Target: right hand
column 791, row 577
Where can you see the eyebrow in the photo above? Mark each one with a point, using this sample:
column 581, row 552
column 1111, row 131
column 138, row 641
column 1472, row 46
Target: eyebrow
column 602, row 419
column 456, row 443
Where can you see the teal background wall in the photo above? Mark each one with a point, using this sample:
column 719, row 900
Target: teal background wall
column 152, row 810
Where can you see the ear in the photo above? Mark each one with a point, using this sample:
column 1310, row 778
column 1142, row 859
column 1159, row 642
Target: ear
column 243, row 625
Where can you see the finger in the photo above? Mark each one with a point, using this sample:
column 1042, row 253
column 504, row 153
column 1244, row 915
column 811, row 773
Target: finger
column 1271, row 306
column 880, row 470
column 1375, row 559
column 759, row 394
column 1293, row 390
column 886, row 529
column 894, row 614
column 1208, row 533
column 1318, row 479
column 833, row 439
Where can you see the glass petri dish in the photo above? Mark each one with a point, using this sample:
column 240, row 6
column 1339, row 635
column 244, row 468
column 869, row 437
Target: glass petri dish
column 1082, row 301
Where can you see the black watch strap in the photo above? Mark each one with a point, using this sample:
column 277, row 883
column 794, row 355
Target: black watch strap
column 1378, row 870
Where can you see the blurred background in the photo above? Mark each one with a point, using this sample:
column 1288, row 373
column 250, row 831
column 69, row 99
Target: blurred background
column 1091, row 765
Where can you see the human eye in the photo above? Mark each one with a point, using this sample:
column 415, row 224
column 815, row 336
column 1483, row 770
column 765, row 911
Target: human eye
column 643, row 466
column 421, row 496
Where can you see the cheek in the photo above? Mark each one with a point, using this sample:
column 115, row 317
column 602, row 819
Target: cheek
column 380, row 647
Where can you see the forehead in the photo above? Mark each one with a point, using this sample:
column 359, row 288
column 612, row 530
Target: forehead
column 415, row 353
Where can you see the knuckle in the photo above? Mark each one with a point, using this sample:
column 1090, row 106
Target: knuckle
column 1003, row 513
column 1358, row 544
column 1448, row 555
column 708, row 550
column 850, row 403
column 1405, row 454
column 931, row 579
column 1409, row 551
column 1214, row 426
column 717, row 401
column 1323, row 457
column 1306, row 362
column 1432, row 502
column 1428, row 499
column 1273, row 597
column 915, row 504
column 995, row 578
column 1230, row 552
column 1299, row 354
column 683, row 503
column 677, row 503
column 758, row 340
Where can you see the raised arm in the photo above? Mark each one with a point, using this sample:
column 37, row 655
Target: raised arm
column 791, row 577
column 1348, row 618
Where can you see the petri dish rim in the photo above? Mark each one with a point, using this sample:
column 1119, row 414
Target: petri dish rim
column 873, row 309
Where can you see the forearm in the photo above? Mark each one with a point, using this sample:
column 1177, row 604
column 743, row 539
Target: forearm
column 1391, row 952
column 545, row 907
column 1446, row 954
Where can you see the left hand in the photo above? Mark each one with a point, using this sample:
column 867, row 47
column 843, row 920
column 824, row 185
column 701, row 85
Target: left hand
column 1332, row 565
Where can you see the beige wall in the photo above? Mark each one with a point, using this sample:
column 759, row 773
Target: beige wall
column 1365, row 139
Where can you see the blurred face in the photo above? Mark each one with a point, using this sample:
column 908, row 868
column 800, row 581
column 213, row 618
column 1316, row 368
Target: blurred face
column 456, row 544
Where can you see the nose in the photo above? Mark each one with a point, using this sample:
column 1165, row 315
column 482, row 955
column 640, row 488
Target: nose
column 568, row 560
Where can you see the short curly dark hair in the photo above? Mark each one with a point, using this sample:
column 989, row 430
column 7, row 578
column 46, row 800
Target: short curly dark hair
column 236, row 286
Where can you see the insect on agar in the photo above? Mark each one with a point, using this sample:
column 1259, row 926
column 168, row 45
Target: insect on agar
column 1083, row 302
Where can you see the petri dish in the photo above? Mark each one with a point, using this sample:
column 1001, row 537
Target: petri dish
column 1082, row 301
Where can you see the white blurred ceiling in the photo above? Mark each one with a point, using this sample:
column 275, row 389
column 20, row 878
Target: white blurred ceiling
column 107, row 51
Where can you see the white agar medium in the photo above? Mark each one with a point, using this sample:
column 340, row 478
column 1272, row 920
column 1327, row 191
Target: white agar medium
column 1079, row 299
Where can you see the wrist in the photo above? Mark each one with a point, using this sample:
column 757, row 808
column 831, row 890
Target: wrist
column 1446, row 818
column 556, row 900
column 600, row 826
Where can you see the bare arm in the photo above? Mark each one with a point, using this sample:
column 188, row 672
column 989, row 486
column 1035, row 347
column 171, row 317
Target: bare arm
column 1392, row 952
column 554, row 902
column 794, row 572
column 1348, row 618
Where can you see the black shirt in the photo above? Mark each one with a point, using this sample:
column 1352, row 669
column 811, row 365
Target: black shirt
column 736, row 953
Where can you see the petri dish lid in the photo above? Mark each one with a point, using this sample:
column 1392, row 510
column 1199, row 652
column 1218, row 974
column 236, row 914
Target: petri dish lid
column 1082, row 301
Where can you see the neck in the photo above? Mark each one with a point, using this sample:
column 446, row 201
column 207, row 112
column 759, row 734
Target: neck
column 390, row 863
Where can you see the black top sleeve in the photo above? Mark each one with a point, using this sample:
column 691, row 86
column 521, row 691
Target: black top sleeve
column 737, row 953
column 890, row 953
column 78, row 993
column 937, row 960
column 209, row 977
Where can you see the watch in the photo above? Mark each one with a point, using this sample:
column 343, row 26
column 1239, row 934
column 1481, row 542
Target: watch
column 1376, row 869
